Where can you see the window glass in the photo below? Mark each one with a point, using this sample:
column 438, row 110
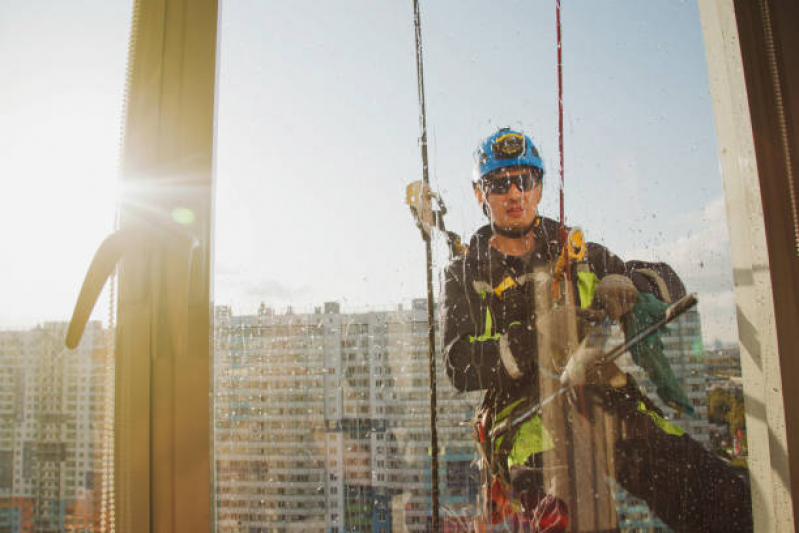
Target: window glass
column 61, row 105
column 320, row 332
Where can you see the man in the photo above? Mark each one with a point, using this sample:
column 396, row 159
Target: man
column 512, row 314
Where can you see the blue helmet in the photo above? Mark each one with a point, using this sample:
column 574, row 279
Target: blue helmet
column 507, row 148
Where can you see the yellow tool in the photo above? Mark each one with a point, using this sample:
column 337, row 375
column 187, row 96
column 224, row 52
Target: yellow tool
column 575, row 247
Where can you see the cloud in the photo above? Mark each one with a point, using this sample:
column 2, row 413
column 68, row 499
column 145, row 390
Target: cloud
column 247, row 291
column 702, row 255
column 702, row 259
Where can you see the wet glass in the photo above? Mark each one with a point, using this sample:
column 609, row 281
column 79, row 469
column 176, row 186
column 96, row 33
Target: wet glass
column 320, row 335
column 61, row 104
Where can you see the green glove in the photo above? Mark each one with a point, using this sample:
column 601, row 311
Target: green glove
column 648, row 354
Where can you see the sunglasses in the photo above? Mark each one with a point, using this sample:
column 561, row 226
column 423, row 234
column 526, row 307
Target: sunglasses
column 501, row 184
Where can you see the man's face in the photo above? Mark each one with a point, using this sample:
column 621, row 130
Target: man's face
column 510, row 206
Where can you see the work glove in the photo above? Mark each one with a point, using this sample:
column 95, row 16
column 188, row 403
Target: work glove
column 583, row 359
column 584, row 366
column 617, row 295
column 577, row 366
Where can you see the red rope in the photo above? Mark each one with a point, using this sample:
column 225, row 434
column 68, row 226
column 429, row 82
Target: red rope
column 560, row 113
column 563, row 232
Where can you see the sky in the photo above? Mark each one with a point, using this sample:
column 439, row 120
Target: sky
column 318, row 136
column 61, row 102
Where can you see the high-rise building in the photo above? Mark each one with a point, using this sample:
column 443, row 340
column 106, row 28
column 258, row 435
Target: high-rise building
column 52, row 428
column 323, row 423
column 683, row 349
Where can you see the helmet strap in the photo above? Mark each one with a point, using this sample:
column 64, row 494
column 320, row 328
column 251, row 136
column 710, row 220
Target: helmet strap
column 514, row 233
column 510, row 233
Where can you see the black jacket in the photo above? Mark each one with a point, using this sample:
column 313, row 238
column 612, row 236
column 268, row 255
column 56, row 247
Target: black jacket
column 502, row 360
column 490, row 344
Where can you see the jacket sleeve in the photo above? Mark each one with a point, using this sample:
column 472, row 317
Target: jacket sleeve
column 604, row 262
column 658, row 279
column 476, row 354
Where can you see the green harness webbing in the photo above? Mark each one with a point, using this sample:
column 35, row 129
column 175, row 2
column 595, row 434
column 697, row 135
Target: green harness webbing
column 487, row 335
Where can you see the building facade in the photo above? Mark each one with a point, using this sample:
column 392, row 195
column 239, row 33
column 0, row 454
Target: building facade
column 53, row 429
column 323, row 423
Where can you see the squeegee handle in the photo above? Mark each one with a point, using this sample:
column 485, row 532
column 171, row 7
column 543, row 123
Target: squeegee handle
column 674, row 310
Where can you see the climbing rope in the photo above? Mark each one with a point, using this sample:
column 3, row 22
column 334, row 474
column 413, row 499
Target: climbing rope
column 560, row 112
column 431, row 325
column 564, row 234
column 424, row 189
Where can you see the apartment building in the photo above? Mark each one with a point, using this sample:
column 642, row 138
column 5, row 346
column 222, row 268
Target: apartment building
column 53, row 424
column 684, row 350
column 323, row 423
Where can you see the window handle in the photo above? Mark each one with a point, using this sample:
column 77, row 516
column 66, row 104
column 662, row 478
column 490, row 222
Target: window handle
column 102, row 266
column 181, row 250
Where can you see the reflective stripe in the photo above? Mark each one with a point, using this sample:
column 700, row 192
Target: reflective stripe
column 524, row 278
column 502, row 415
column 505, row 284
column 481, row 287
column 659, row 421
column 540, row 276
column 506, row 356
column 665, row 295
column 586, row 286
column 529, row 439
column 486, row 336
